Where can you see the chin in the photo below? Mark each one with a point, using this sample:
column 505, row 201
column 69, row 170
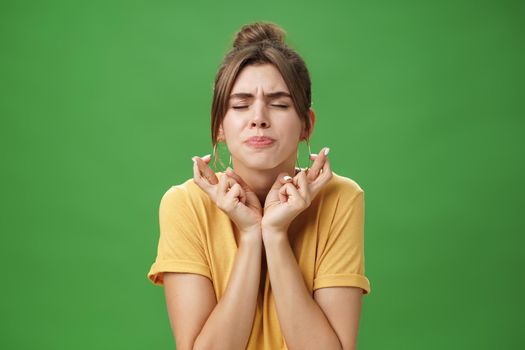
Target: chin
column 260, row 163
column 260, row 166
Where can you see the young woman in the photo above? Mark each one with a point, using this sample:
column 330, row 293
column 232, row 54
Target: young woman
column 265, row 255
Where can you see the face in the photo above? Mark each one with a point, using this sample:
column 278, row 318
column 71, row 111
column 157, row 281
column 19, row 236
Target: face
column 260, row 105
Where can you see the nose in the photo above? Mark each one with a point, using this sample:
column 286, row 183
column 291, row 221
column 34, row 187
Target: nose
column 259, row 124
column 259, row 119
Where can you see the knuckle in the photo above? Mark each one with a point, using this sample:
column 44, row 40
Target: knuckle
column 222, row 205
column 301, row 203
column 308, row 201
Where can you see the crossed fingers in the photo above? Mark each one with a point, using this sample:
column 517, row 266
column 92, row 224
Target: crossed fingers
column 319, row 173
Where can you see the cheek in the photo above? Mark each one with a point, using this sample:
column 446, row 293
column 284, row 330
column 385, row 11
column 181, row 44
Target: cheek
column 232, row 131
column 290, row 131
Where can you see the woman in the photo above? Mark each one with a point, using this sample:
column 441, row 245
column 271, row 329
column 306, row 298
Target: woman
column 265, row 255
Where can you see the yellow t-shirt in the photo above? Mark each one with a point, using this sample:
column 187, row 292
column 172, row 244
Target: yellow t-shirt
column 327, row 239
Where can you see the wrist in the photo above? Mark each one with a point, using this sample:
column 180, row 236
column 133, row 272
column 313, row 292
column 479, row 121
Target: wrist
column 271, row 229
column 252, row 235
column 270, row 234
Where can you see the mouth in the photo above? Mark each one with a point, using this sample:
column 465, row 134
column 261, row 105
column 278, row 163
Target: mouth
column 260, row 142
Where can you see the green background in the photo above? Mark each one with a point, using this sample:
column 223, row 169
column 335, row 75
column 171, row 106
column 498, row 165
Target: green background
column 103, row 104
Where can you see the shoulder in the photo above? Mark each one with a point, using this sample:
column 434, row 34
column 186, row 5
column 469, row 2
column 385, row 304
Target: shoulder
column 187, row 192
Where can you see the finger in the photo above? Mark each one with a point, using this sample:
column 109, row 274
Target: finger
column 283, row 194
column 251, row 198
column 236, row 193
column 207, row 173
column 319, row 160
column 301, row 182
column 197, row 178
column 289, row 193
column 229, row 182
column 323, row 178
column 225, row 201
column 281, row 179
column 314, row 170
column 326, row 172
column 223, row 186
column 237, row 178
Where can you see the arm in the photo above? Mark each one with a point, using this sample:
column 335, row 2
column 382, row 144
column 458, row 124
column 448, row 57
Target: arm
column 198, row 322
column 342, row 307
column 331, row 320
column 302, row 321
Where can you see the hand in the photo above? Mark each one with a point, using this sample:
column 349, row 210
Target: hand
column 230, row 193
column 315, row 175
column 289, row 196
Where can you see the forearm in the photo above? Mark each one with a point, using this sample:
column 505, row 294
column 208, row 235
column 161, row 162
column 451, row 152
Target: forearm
column 230, row 323
column 302, row 321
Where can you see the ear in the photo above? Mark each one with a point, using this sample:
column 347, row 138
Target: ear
column 311, row 115
column 220, row 135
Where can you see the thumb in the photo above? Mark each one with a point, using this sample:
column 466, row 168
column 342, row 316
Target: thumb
column 237, row 178
column 205, row 170
column 282, row 179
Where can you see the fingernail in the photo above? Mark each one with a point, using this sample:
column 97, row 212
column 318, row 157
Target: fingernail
column 193, row 158
column 313, row 155
column 326, row 151
column 206, row 156
column 228, row 168
column 286, row 178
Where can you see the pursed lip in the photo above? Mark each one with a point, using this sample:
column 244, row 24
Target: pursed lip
column 264, row 140
column 259, row 141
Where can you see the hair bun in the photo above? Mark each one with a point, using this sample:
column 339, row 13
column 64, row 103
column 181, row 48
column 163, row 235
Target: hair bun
column 258, row 31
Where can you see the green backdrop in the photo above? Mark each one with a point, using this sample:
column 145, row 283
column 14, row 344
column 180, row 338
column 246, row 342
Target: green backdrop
column 103, row 104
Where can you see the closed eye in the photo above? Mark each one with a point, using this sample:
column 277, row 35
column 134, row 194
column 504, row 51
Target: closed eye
column 273, row 105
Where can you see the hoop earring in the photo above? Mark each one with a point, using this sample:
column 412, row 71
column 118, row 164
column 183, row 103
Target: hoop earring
column 220, row 160
column 309, row 152
column 215, row 155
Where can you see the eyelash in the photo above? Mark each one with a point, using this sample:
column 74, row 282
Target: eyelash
column 279, row 106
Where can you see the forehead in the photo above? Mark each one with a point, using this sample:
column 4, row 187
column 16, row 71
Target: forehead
column 262, row 77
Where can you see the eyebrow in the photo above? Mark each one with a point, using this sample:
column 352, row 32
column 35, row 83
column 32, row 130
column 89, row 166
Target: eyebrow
column 271, row 95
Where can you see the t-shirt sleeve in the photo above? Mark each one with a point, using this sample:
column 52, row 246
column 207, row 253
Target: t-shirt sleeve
column 341, row 259
column 180, row 245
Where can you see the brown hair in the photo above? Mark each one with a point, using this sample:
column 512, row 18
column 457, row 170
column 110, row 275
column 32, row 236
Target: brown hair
column 259, row 43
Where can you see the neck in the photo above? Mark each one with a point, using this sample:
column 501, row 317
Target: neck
column 261, row 180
